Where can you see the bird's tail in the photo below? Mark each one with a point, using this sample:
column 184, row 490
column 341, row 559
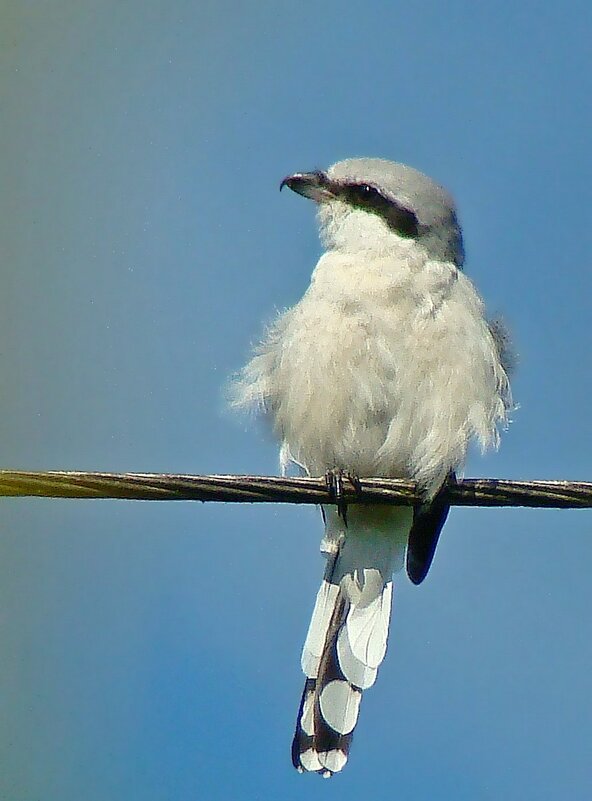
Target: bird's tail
column 347, row 636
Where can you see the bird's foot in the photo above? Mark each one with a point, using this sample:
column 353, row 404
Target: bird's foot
column 334, row 480
column 354, row 480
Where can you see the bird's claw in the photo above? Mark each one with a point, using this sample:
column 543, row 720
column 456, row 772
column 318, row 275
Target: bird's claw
column 334, row 480
column 354, row 480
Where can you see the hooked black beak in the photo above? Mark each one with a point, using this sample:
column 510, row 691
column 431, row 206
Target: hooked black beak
column 314, row 185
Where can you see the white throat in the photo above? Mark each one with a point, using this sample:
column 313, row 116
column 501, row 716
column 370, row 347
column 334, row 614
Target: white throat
column 352, row 230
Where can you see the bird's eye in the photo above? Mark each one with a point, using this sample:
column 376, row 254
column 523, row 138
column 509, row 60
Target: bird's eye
column 363, row 192
column 370, row 199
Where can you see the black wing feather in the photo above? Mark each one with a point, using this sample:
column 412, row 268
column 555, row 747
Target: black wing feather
column 428, row 520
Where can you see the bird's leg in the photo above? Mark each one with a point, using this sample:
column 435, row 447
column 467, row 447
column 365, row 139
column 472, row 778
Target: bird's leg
column 334, row 482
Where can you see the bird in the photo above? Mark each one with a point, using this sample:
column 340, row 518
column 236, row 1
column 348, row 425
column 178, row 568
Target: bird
column 388, row 367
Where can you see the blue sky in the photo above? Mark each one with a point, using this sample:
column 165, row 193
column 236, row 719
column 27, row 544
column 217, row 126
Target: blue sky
column 151, row 650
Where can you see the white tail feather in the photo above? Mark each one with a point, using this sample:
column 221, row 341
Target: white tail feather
column 317, row 630
column 355, row 671
column 347, row 636
column 367, row 627
column 339, row 704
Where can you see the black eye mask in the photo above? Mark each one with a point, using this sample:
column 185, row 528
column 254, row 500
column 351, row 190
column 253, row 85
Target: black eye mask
column 365, row 196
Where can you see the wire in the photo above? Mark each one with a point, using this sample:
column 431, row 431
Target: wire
column 270, row 489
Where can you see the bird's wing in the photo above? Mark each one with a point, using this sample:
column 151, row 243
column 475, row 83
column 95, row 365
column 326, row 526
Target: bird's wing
column 428, row 520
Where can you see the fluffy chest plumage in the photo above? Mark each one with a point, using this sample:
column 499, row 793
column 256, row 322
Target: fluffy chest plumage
column 385, row 367
column 351, row 349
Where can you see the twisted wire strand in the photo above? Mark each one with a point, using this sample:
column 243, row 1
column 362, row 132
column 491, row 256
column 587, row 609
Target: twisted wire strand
column 271, row 489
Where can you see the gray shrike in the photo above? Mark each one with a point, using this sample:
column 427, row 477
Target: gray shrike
column 386, row 367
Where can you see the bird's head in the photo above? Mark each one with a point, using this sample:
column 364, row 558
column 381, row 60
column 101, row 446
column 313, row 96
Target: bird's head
column 381, row 206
